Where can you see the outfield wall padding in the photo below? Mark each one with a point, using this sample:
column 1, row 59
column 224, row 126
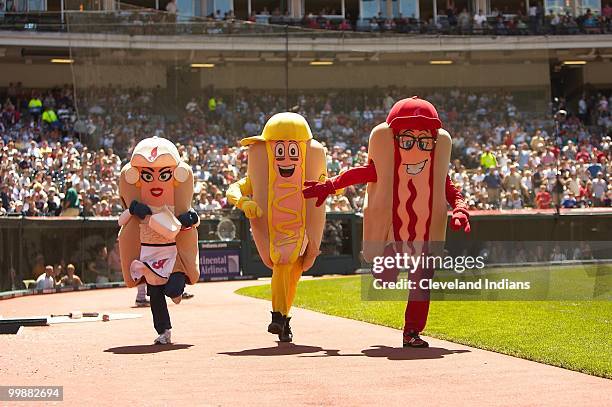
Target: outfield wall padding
column 28, row 244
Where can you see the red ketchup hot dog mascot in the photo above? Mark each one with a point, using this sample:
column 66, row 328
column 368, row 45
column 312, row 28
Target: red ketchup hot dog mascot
column 408, row 188
column 158, row 240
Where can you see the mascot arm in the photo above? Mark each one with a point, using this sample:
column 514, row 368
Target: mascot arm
column 124, row 218
column 189, row 219
column 356, row 175
column 237, row 194
column 460, row 219
column 238, row 191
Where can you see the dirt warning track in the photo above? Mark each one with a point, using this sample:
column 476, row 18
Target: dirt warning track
column 223, row 355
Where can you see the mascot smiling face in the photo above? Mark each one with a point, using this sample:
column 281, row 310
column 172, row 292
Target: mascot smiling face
column 416, row 150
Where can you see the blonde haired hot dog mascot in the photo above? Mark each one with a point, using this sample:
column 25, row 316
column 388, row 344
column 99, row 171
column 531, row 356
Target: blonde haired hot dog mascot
column 408, row 188
column 158, row 240
column 286, row 227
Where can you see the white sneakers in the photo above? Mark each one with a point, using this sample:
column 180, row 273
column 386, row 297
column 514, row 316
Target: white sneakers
column 164, row 338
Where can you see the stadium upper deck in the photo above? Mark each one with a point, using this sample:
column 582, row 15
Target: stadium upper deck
column 154, row 30
column 118, row 47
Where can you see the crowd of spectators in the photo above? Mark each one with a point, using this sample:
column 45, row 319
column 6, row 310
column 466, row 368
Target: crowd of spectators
column 54, row 277
column 56, row 162
column 449, row 21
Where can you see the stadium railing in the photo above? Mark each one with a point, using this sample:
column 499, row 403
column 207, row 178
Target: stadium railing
column 153, row 22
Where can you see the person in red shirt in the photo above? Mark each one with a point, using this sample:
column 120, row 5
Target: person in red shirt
column 543, row 198
column 344, row 25
column 583, row 155
column 586, row 193
column 598, row 155
column 508, row 139
column 607, row 11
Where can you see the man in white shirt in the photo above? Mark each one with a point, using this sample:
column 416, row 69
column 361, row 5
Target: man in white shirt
column 46, row 280
column 599, row 188
column 478, row 176
column 479, row 19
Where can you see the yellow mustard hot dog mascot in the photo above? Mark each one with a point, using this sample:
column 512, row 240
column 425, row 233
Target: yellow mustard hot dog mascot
column 287, row 228
column 158, row 239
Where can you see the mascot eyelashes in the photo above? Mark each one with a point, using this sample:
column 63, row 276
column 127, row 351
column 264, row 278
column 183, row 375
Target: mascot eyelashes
column 287, row 228
column 158, row 240
column 408, row 188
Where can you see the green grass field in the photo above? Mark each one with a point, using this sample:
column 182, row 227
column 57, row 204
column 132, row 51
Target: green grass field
column 576, row 335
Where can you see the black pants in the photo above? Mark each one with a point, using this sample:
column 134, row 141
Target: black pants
column 157, row 295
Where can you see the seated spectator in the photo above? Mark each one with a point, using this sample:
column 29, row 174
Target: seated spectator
column 480, row 19
column 99, row 268
column 70, row 204
column 607, row 12
column 50, row 118
column 600, row 187
column 557, row 254
column 463, row 20
column 344, row 25
column 569, row 201
column 35, row 107
column 543, row 198
column 58, row 270
column 46, row 280
column 71, row 279
column 512, row 200
column 589, row 20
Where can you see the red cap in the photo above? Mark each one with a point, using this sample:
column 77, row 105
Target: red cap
column 413, row 113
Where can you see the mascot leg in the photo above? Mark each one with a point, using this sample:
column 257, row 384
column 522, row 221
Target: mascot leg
column 417, row 309
column 284, row 285
column 175, row 286
column 294, row 277
column 159, row 309
column 279, row 285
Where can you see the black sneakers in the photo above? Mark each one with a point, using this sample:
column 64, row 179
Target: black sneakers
column 413, row 340
column 286, row 335
column 277, row 324
column 280, row 326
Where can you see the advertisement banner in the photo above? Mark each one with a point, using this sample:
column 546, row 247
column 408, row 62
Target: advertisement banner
column 219, row 261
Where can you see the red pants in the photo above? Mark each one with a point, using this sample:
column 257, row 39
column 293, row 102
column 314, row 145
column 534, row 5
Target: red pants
column 417, row 308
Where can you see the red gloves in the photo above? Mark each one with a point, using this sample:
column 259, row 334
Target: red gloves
column 460, row 219
column 321, row 191
column 352, row 176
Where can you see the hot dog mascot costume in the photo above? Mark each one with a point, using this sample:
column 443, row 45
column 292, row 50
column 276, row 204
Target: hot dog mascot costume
column 407, row 191
column 287, row 228
column 158, row 239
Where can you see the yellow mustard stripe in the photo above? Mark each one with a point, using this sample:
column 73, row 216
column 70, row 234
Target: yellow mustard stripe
column 280, row 226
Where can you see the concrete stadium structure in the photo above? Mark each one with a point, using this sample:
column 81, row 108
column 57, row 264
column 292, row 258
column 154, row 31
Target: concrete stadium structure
column 301, row 59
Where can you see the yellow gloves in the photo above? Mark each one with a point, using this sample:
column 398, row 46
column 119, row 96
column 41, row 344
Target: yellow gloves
column 250, row 208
